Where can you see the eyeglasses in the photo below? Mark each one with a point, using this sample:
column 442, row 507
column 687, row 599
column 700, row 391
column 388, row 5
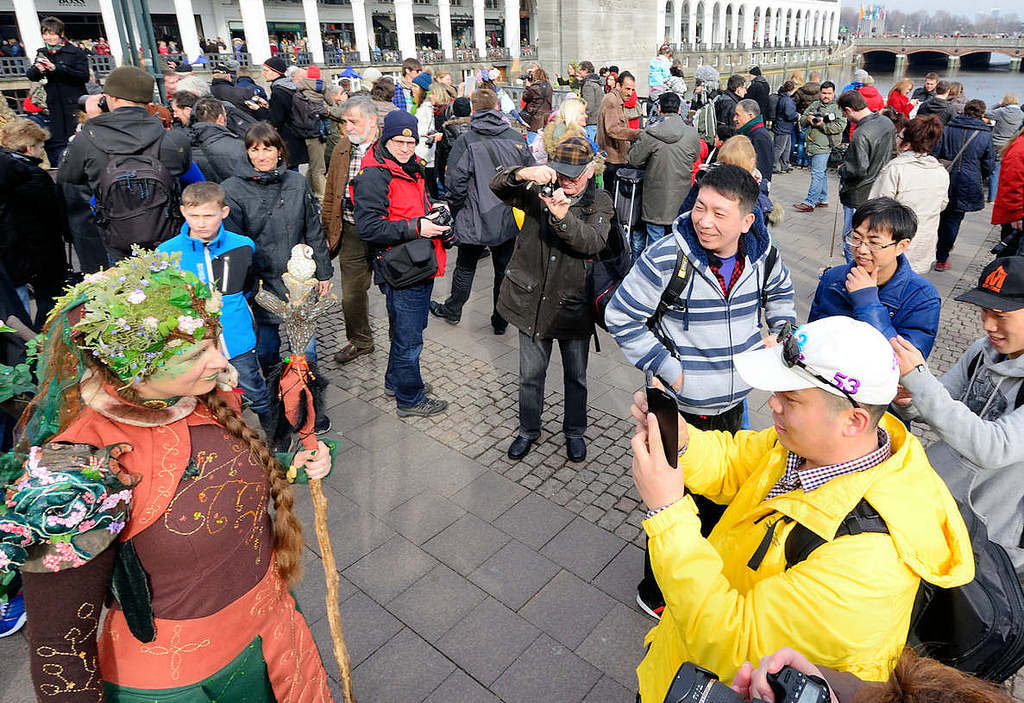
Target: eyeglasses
column 856, row 243
column 791, row 356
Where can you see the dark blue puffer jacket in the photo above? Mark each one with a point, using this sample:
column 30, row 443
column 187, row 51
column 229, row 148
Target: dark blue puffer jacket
column 966, row 190
column 907, row 305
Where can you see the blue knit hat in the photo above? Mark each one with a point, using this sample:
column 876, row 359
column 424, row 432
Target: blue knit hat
column 423, row 80
column 399, row 123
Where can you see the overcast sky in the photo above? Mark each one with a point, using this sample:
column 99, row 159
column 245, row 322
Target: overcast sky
column 956, row 7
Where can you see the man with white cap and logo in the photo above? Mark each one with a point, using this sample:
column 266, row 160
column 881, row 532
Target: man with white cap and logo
column 833, row 459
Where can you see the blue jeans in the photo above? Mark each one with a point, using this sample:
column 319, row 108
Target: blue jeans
column 268, row 347
column 534, row 355
column 254, row 387
column 818, row 192
column 993, row 181
column 591, row 132
column 408, row 311
column 847, row 227
column 643, row 237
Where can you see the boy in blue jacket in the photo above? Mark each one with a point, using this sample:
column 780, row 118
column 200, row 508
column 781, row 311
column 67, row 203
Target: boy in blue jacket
column 879, row 287
column 223, row 260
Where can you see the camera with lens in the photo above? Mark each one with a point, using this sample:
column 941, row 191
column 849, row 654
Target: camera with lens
column 693, row 683
column 825, row 117
column 1009, row 245
column 547, row 190
column 442, row 217
column 101, row 105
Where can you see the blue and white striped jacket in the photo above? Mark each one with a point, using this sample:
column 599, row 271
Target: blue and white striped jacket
column 710, row 329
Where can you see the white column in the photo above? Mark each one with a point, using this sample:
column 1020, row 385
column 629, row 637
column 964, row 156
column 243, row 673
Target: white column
column 444, row 13
column 187, row 29
column 677, row 23
column 805, row 29
column 734, row 27
column 661, row 20
column 835, row 26
column 28, row 26
column 111, row 33
column 709, row 26
column 314, row 40
column 816, row 36
column 691, row 26
column 511, row 28
column 479, row 31
column 254, row 26
column 405, row 29
column 720, row 35
column 359, row 25
column 773, row 24
column 748, row 24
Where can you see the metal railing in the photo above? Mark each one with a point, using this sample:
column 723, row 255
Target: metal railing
column 16, row 66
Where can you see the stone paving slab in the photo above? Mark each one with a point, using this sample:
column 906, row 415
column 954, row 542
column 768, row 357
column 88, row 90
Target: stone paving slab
column 469, row 577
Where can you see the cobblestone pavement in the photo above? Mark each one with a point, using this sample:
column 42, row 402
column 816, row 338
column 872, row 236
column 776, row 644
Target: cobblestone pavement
column 468, row 577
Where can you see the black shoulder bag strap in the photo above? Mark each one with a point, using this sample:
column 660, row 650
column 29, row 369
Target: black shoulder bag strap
column 801, row 542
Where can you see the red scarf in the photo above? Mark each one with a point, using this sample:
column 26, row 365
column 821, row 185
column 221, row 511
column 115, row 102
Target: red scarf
column 630, row 102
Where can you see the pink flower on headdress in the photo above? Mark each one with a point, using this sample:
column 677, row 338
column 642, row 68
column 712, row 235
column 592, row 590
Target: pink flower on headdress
column 189, row 324
column 136, row 296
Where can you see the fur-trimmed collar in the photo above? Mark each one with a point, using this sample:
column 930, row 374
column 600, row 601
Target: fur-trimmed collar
column 102, row 398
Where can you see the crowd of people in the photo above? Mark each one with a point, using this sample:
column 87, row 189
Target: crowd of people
column 793, row 545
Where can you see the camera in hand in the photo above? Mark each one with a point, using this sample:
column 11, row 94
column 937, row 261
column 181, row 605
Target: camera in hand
column 442, row 217
column 825, row 117
column 1010, row 245
column 693, row 683
column 547, row 190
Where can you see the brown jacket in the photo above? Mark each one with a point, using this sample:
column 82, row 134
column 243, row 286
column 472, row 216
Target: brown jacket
column 334, row 192
column 613, row 132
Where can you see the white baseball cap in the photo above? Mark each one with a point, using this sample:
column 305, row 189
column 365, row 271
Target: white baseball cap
column 840, row 355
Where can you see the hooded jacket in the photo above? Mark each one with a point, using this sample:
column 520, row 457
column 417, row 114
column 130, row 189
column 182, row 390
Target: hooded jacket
column 231, row 254
column 907, row 305
column 126, row 130
column 480, row 216
column 33, row 223
column 847, row 606
column 921, row 183
column 592, row 92
column 872, row 97
column 966, row 192
column 667, row 151
column 979, row 454
column 277, row 210
column 64, row 85
column 544, row 292
column 870, row 148
column 940, row 107
column 1008, row 120
column 786, row 115
column 807, row 94
column 451, row 130
column 712, row 328
column 1009, row 205
column 899, row 102
column 217, row 152
column 282, row 91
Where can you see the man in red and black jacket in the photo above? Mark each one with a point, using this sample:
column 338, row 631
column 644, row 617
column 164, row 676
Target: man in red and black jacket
column 391, row 206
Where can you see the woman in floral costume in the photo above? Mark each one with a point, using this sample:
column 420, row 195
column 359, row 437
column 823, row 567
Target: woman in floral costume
column 144, row 490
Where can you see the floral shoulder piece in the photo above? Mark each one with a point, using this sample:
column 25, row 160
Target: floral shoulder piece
column 67, row 506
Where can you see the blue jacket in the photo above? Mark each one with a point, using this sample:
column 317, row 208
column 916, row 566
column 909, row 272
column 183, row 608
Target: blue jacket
column 232, row 253
column 907, row 305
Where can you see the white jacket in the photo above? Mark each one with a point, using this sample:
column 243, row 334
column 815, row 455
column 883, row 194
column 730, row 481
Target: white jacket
column 921, row 183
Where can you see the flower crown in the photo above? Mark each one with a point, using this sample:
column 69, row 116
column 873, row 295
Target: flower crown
column 138, row 314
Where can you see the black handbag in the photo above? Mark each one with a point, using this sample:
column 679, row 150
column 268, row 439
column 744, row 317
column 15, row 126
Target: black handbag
column 409, row 263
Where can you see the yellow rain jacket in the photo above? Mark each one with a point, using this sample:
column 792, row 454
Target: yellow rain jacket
column 847, row 606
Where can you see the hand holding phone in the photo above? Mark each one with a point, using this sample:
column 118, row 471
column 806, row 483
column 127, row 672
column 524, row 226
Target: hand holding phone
column 663, row 405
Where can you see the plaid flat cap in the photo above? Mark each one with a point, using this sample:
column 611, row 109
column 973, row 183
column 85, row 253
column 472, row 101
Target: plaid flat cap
column 571, row 156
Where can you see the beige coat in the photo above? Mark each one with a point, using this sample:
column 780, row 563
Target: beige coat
column 921, row 183
column 613, row 132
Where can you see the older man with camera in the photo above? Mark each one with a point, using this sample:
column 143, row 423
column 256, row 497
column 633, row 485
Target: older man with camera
column 790, row 563
column 824, row 124
column 544, row 293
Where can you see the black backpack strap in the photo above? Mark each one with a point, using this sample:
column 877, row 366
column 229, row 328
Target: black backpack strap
column 682, row 272
column 801, row 542
column 769, row 266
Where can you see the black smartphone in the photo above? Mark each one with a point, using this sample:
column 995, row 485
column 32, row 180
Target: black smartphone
column 663, row 404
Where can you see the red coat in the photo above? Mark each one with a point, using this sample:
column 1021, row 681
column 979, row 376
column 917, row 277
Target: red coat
column 1009, row 205
column 900, row 103
column 874, row 99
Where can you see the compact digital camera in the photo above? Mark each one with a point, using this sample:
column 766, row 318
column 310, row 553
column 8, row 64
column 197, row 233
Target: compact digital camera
column 693, row 683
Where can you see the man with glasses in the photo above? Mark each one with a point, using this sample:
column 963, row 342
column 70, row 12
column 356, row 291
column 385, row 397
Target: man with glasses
column 832, row 456
column 879, row 287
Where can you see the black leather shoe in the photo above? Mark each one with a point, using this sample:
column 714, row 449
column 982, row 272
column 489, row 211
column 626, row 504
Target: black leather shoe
column 519, row 448
column 576, row 449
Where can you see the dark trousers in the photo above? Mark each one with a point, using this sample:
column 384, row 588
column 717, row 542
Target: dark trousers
column 465, row 271
column 356, row 276
column 408, row 310
column 534, row 355
column 949, row 228
column 710, row 512
column 610, row 170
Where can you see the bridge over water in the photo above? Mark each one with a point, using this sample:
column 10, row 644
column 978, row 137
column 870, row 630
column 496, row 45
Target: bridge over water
column 974, row 49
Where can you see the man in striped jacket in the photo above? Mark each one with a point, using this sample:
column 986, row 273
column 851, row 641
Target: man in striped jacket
column 721, row 254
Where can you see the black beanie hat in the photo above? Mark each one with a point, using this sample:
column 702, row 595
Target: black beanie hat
column 276, row 64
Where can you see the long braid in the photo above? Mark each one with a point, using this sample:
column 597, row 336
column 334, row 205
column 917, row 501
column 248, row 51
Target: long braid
column 288, row 540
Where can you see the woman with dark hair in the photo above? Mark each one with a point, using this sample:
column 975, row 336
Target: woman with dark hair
column 65, row 68
column 275, row 208
column 382, row 94
column 537, row 102
column 916, row 179
column 966, row 142
column 146, row 493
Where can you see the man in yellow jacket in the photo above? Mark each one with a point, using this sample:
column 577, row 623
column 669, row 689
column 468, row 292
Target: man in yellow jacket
column 731, row 597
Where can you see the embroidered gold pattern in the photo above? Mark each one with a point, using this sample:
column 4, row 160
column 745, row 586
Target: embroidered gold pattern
column 75, row 637
column 175, row 650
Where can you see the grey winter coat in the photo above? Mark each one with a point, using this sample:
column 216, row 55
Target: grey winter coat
column 480, row 216
column 126, row 130
column 592, row 92
column 1008, row 119
column 667, row 150
column 870, row 149
column 980, row 454
column 277, row 210
column 940, row 107
column 217, row 152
